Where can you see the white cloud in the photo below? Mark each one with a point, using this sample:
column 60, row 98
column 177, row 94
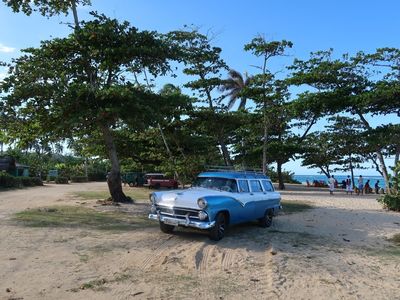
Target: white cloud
column 6, row 49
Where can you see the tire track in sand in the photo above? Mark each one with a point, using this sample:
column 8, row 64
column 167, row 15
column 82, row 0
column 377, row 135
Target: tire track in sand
column 203, row 260
column 265, row 278
column 228, row 259
column 157, row 256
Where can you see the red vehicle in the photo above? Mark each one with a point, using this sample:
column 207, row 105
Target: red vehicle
column 158, row 180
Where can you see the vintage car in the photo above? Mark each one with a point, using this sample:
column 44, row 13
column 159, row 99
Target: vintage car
column 215, row 200
column 159, row 180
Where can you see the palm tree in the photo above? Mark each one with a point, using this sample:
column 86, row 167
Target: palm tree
column 234, row 85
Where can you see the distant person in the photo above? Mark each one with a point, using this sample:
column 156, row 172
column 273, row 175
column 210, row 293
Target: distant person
column 343, row 184
column 360, row 185
column 308, row 183
column 336, row 182
column 332, row 182
column 377, row 187
column 349, row 188
column 367, row 188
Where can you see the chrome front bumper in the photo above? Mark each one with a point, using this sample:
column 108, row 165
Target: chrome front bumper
column 182, row 222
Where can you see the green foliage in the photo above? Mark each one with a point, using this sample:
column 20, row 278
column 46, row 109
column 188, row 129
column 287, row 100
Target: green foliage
column 395, row 182
column 391, row 202
column 9, row 181
column 80, row 217
column 287, row 176
column 61, row 180
column 44, row 7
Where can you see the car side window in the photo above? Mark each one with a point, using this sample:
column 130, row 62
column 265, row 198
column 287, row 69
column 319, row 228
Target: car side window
column 255, row 186
column 267, row 185
column 243, row 186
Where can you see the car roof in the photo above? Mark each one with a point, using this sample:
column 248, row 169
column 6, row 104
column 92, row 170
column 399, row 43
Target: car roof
column 234, row 175
column 154, row 174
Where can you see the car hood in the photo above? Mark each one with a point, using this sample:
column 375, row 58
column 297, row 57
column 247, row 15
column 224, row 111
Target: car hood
column 186, row 198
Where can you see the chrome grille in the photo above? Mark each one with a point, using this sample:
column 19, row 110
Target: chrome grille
column 178, row 212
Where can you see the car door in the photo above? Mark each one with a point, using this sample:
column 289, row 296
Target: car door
column 259, row 196
column 272, row 198
column 242, row 212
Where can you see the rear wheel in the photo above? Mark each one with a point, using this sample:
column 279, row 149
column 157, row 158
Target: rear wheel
column 157, row 186
column 166, row 228
column 266, row 221
column 131, row 184
column 218, row 231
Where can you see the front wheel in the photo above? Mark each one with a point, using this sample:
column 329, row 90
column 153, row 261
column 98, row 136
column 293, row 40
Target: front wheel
column 266, row 221
column 166, row 228
column 218, row 231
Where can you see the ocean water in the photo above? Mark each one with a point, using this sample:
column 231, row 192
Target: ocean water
column 372, row 179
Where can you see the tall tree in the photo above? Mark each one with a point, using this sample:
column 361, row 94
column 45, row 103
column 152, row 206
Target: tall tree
column 261, row 48
column 347, row 84
column 203, row 62
column 77, row 85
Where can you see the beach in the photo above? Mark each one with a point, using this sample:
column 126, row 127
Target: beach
column 337, row 248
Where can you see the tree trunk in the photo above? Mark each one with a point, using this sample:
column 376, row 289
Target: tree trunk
column 264, row 154
column 384, row 170
column 114, row 176
column 379, row 154
column 171, row 157
column 352, row 173
column 75, row 13
column 225, row 152
column 281, row 184
column 396, row 157
column 326, row 172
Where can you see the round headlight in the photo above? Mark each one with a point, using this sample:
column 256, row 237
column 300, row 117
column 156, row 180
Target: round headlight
column 202, row 203
column 153, row 198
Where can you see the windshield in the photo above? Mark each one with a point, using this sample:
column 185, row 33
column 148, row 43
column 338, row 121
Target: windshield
column 223, row 184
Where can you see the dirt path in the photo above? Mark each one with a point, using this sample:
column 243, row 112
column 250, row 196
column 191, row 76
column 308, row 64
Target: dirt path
column 338, row 250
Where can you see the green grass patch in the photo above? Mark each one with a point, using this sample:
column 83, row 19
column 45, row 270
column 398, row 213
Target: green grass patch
column 81, row 217
column 291, row 206
column 395, row 239
column 96, row 285
column 388, row 252
column 138, row 194
column 99, row 284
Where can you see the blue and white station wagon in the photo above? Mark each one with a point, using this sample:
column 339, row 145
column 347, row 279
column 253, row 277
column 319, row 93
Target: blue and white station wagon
column 215, row 200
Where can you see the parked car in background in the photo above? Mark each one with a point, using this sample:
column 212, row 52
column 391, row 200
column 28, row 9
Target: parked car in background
column 159, row 180
column 215, row 201
column 133, row 178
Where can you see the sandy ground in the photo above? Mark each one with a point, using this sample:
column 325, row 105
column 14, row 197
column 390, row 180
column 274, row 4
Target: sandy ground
column 338, row 250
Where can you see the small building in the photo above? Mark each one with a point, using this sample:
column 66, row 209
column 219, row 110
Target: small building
column 9, row 165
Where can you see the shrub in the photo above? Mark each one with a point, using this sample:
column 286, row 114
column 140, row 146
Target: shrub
column 27, row 181
column 97, row 176
column 287, row 176
column 37, row 180
column 61, row 180
column 79, row 179
column 8, row 181
column 391, row 202
column 51, row 178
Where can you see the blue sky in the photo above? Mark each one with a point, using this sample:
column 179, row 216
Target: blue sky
column 346, row 26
